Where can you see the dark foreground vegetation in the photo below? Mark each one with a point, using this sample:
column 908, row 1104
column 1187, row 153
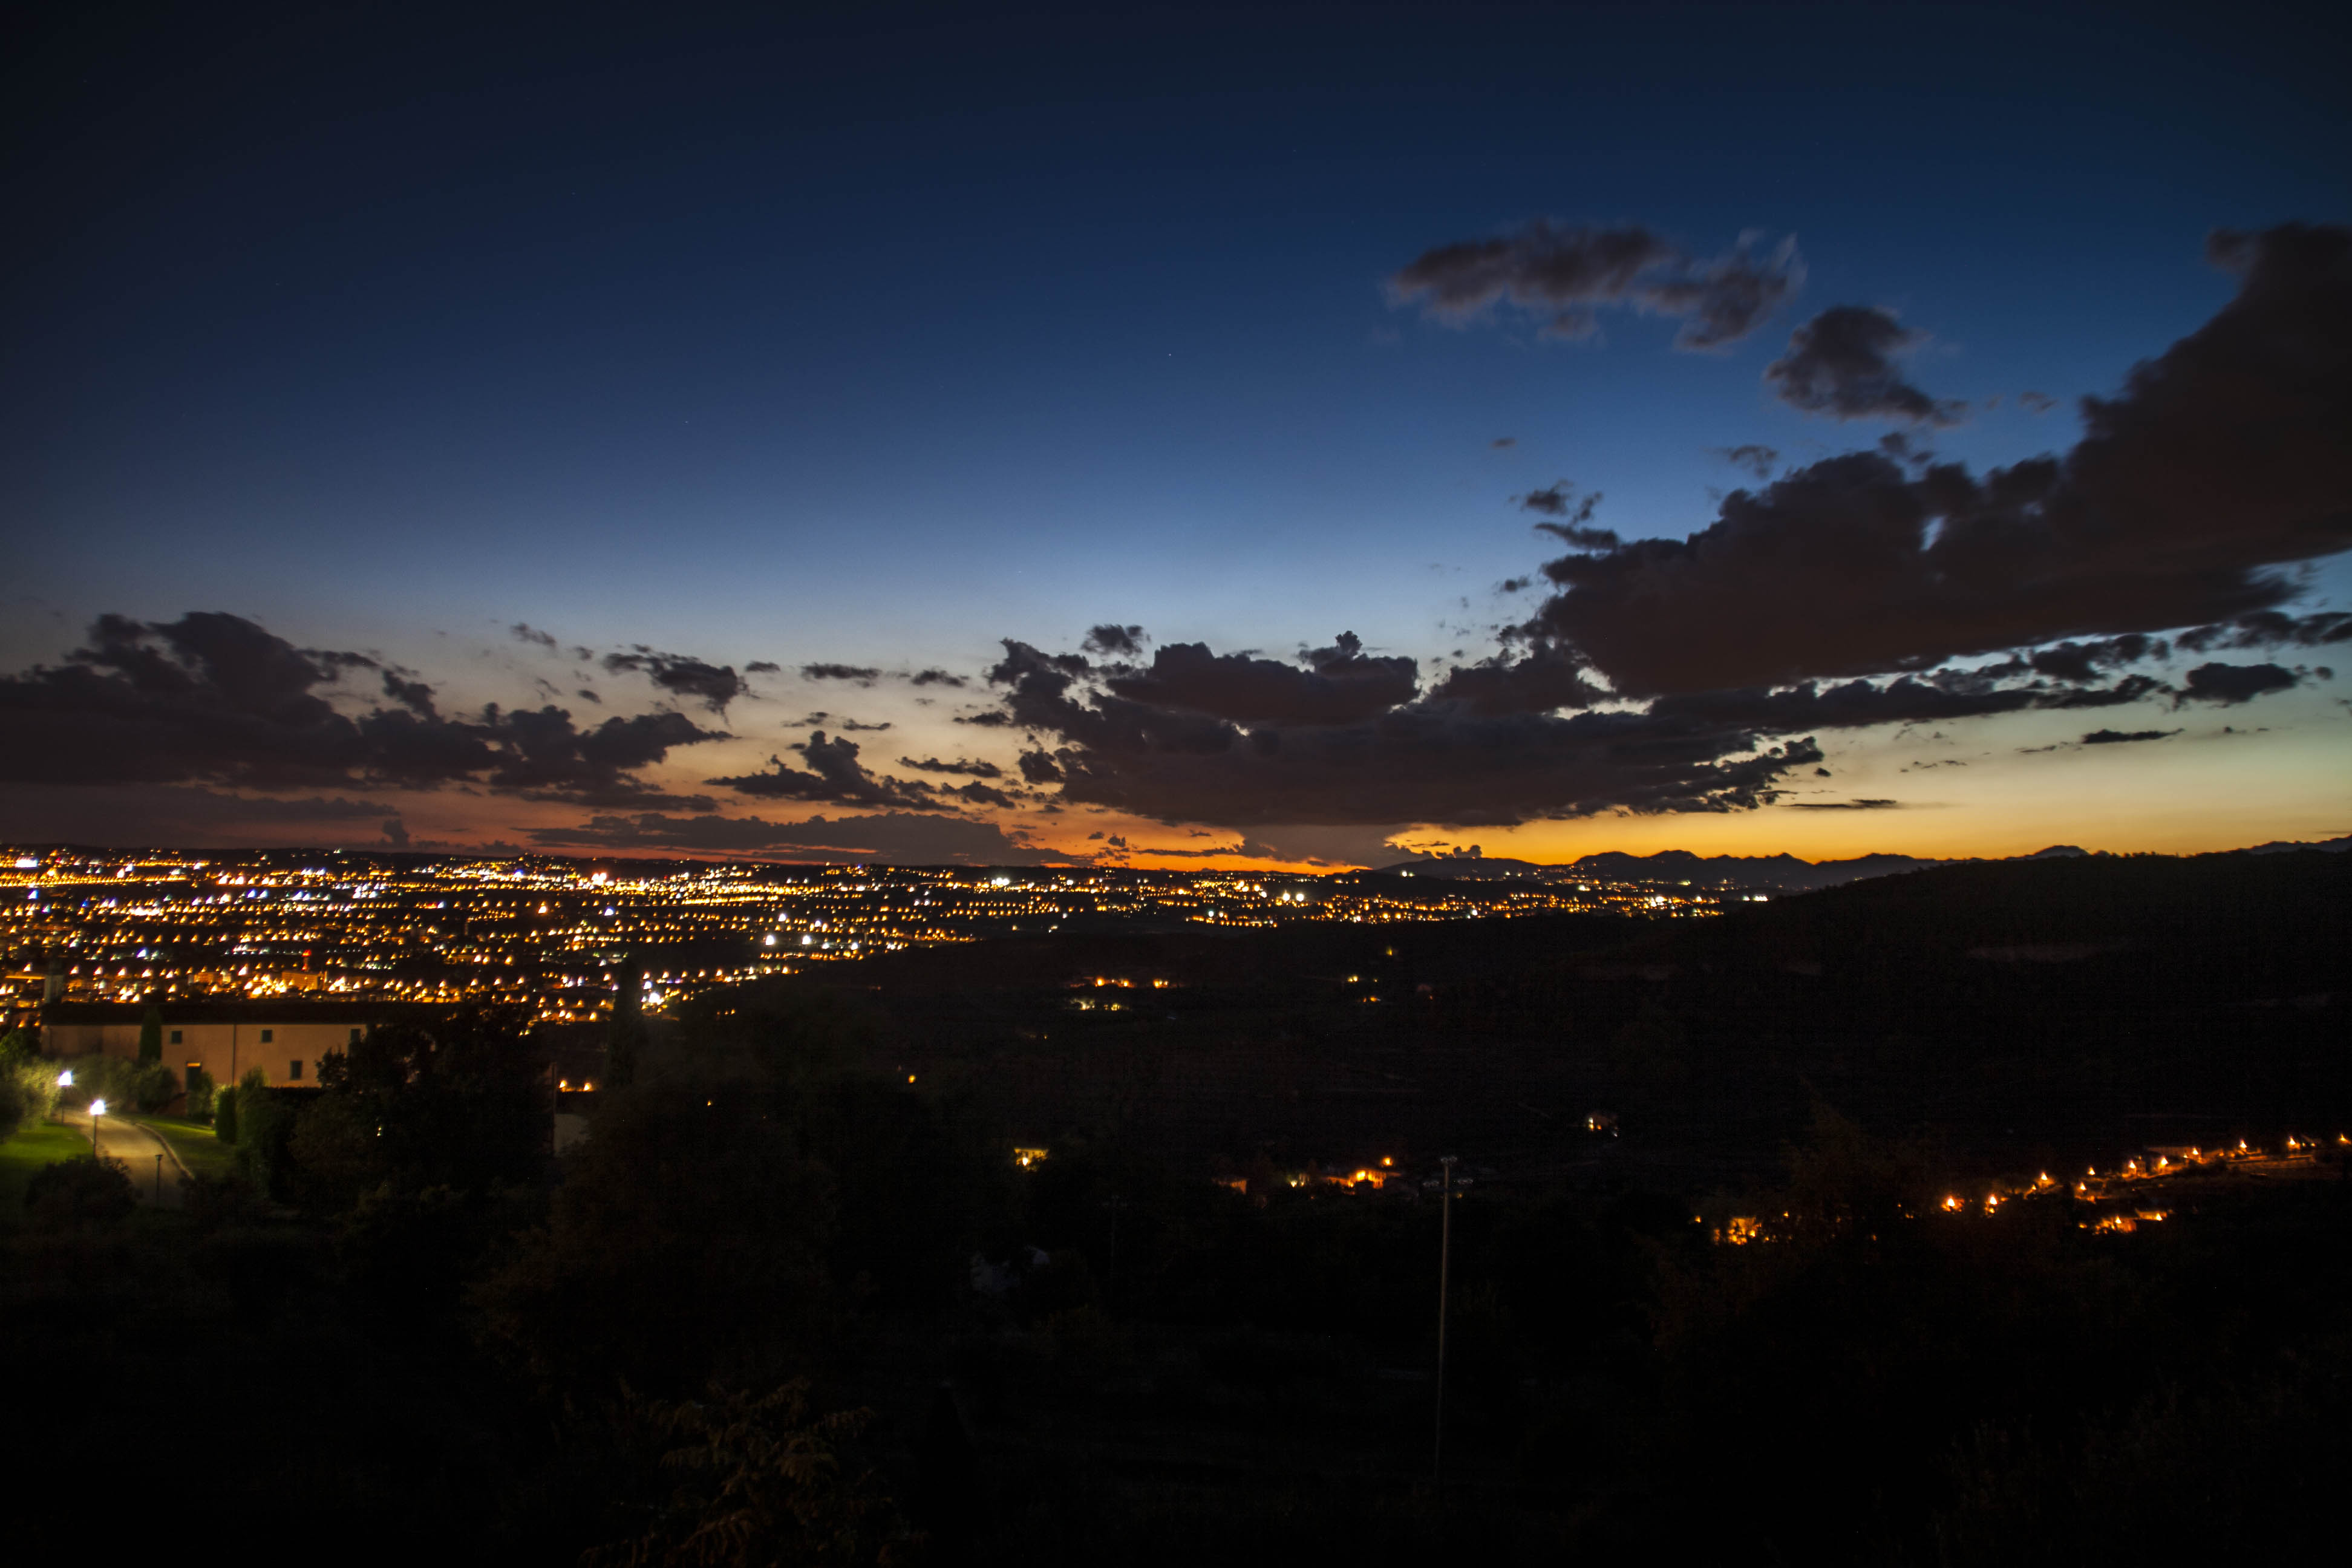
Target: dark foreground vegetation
column 793, row 1299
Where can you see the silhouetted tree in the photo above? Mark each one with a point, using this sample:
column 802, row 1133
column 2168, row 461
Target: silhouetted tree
column 747, row 1482
column 687, row 1235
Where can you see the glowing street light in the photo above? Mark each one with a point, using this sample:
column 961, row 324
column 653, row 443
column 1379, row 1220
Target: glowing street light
column 64, row 1078
column 97, row 1110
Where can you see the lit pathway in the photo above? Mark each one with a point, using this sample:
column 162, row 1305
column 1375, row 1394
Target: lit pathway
column 139, row 1149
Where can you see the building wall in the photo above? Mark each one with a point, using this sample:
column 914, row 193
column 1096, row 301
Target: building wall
column 225, row 1051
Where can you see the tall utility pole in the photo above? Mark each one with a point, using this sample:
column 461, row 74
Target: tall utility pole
column 1444, row 1269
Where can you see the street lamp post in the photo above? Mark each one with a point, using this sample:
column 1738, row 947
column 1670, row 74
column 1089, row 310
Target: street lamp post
column 97, row 1110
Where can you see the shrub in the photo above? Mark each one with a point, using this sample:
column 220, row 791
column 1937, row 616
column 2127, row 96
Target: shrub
column 265, row 1128
column 88, row 1189
column 224, row 1113
column 28, row 1092
column 153, row 1086
column 200, row 1095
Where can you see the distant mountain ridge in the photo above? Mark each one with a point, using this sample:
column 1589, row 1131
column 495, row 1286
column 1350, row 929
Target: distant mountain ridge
column 1783, row 873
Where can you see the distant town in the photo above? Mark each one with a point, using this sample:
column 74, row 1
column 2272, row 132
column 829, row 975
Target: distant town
column 558, row 935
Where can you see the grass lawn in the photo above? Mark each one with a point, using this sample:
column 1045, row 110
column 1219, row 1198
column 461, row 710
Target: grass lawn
column 203, row 1154
column 39, row 1144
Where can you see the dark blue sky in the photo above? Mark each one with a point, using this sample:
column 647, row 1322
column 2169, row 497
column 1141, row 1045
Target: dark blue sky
column 880, row 338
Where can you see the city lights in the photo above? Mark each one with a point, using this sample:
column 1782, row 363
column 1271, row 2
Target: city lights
column 555, row 936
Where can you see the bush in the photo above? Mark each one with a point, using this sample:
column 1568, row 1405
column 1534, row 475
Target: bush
column 200, row 1095
column 88, row 1189
column 265, row 1128
column 153, row 1086
column 224, row 1113
column 28, row 1092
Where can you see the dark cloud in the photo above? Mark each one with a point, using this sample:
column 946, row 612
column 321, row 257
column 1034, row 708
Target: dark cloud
column 2231, row 684
column 978, row 794
column 2220, row 462
column 142, row 816
column 522, row 632
column 1501, row 443
column 2118, row 737
column 1757, row 460
column 889, row 837
column 1112, row 640
column 1562, row 276
column 1845, row 805
column 1908, row 699
column 1247, row 848
column 961, row 765
column 1341, row 685
column 1426, row 760
column 2269, row 629
column 411, row 694
column 934, row 677
column 214, row 699
column 833, row 773
column 542, row 752
column 1843, row 363
column 1570, row 515
column 1546, row 678
column 864, row 674
column 2036, row 402
column 712, row 685
column 763, row 667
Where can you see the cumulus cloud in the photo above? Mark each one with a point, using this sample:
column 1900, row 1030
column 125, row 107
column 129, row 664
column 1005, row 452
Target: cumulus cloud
column 1545, row 679
column 833, row 773
column 1570, row 515
column 964, row 766
column 2231, row 684
column 2220, row 462
column 712, row 685
column 1338, row 685
column 1430, row 761
column 2269, row 629
column 1843, row 363
column 1562, row 277
column 1757, row 461
column 1112, row 640
column 214, row 699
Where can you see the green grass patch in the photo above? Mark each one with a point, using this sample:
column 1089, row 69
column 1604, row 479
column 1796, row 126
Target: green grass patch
column 33, row 1148
column 193, row 1141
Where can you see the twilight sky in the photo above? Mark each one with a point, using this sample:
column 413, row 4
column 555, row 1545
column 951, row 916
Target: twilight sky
column 1267, row 436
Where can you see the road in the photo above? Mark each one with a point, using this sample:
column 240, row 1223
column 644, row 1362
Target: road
column 139, row 1149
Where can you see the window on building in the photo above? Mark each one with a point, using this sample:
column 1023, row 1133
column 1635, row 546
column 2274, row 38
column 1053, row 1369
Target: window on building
column 176, row 1037
column 355, row 1037
column 268, row 1036
column 294, row 1072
